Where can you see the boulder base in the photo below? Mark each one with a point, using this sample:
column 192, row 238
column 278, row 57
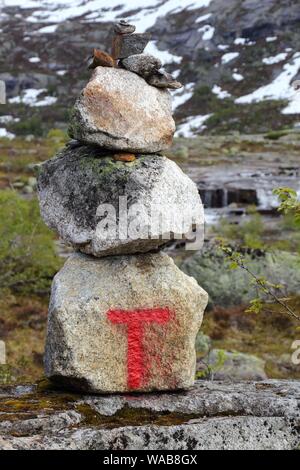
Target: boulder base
column 211, row 416
column 124, row 323
column 118, row 110
column 106, row 207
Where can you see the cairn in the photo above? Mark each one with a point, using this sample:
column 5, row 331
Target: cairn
column 122, row 316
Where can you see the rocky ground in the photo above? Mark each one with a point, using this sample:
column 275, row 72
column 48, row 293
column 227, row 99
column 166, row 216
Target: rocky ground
column 212, row 415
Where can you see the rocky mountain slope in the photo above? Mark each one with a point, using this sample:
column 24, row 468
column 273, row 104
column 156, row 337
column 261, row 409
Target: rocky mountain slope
column 237, row 59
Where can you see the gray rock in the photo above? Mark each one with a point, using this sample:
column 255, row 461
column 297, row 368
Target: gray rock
column 118, row 110
column 236, row 366
column 142, row 64
column 123, row 27
column 213, row 415
column 123, row 323
column 130, row 44
column 163, row 80
column 75, row 188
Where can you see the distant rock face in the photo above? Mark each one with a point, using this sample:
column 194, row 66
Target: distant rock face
column 151, row 200
column 118, row 110
column 124, row 323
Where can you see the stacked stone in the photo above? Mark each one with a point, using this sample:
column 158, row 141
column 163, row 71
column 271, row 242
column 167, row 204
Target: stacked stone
column 122, row 316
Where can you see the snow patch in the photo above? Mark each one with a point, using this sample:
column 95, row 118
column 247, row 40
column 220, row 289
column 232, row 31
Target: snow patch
column 229, row 56
column 275, row 59
column 6, row 119
column 192, row 125
column 271, row 38
column 4, row 133
column 243, row 42
column 240, row 41
column 294, row 105
column 183, row 95
column 165, row 56
column 237, row 76
column 203, row 18
column 223, row 47
column 48, row 29
column 176, row 73
column 34, row 60
column 222, row 94
column 30, row 98
column 279, row 89
column 208, row 32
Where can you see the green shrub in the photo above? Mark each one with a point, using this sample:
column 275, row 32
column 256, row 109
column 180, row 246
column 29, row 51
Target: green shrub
column 27, row 253
column 248, row 233
column 31, row 125
column 233, row 287
column 275, row 135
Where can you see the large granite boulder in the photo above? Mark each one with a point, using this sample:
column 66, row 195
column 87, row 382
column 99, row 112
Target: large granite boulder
column 118, row 110
column 123, row 323
column 106, row 207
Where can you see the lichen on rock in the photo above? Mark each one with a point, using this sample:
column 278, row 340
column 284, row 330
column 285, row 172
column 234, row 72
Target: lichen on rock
column 150, row 199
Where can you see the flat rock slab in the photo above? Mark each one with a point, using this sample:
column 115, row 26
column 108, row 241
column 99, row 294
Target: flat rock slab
column 118, row 110
column 142, row 64
column 212, row 415
column 150, row 201
column 123, row 323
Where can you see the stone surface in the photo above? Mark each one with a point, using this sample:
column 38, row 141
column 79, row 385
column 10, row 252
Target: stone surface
column 163, row 80
column 213, row 415
column 124, row 157
column 123, row 323
column 142, row 64
column 101, row 59
column 118, row 110
column 123, row 27
column 75, row 188
column 125, row 45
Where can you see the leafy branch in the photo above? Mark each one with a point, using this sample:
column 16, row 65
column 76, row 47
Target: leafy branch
column 289, row 202
column 264, row 286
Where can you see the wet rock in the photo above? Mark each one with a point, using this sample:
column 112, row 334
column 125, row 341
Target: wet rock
column 164, row 80
column 123, row 323
column 125, row 45
column 75, row 188
column 212, row 415
column 142, row 64
column 118, row 110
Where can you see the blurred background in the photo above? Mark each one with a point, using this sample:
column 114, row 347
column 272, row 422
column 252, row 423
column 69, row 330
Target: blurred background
column 238, row 138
